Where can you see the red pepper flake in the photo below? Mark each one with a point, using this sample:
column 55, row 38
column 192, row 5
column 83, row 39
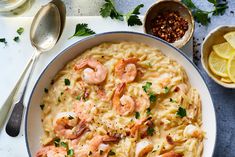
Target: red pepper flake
column 169, row 26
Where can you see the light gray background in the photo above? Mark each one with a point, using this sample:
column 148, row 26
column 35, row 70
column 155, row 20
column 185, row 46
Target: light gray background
column 224, row 99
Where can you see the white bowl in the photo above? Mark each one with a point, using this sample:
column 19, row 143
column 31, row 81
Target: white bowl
column 33, row 126
column 215, row 37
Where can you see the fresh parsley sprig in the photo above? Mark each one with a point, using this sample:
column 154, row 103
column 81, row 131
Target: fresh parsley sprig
column 132, row 16
column 202, row 16
column 82, row 30
column 109, row 10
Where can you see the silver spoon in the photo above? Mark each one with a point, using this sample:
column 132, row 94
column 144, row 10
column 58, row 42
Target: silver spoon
column 44, row 33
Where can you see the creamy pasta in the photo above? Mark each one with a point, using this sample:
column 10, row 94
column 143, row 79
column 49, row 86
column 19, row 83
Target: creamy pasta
column 122, row 99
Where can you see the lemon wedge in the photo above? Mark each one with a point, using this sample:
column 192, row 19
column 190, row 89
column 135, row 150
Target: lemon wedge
column 226, row 80
column 231, row 68
column 224, row 50
column 218, row 65
column 230, row 37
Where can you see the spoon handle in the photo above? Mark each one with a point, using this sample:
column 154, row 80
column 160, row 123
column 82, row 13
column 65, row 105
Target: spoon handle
column 14, row 122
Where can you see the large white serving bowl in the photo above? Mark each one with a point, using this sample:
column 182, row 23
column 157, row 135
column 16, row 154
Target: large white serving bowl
column 33, row 125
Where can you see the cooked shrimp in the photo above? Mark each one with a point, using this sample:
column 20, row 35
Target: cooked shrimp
column 170, row 154
column 126, row 69
column 67, row 125
column 95, row 74
column 123, row 104
column 51, row 151
column 140, row 127
column 84, row 109
column 143, row 148
column 100, row 144
column 192, row 131
column 142, row 101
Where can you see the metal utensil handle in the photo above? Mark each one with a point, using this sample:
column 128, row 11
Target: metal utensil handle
column 14, row 122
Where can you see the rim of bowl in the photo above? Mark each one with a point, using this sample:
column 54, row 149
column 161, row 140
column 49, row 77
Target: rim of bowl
column 105, row 33
column 192, row 21
column 211, row 33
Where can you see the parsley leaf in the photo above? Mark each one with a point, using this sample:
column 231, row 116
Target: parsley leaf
column 199, row 15
column 219, row 7
column 16, row 39
column 82, row 30
column 147, row 86
column 63, row 144
column 166, row 90
column 181, row 112
column 20, row 30
column 57, row 142
column 67, row 82
column 148, row 111
column 111, row 153
column 132, row 18
column 203, row 16
column 70, row 152
column 137, row 115
column 152, row 97
column 108, row 9
column 150, row 131
column 3, row 40
column 172, row 100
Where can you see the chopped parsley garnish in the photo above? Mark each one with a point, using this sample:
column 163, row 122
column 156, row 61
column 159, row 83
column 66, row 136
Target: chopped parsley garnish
column 71, row 117
column 109, row 10
column 57, row 142
column 16, row 39
column 166, row 90
column 70, row 152
column 149, row 64
column 152, row 97
column 3, row 40
column 64, row 144
column 78, row 97
column 181, row 112
column 82, row 30
column 148, row 111
column 202, row 16
column 67, row 82
column 150, row 131
column 172, row 100
column 111, row 153
column 45, row 90
column 20, row 30
column 137, row 115
column 147, row 86
column 101, row 152
column 42, row 106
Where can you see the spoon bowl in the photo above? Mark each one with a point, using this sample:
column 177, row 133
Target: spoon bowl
column 45, row 28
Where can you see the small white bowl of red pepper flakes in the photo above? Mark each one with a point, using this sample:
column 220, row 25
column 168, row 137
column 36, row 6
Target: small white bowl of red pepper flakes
column 171, row 21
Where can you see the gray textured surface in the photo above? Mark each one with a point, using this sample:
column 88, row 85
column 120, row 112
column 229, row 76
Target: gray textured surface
column 224, row 99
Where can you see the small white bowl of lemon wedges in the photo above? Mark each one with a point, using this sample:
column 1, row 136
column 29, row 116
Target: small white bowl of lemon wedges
column 218, row 55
